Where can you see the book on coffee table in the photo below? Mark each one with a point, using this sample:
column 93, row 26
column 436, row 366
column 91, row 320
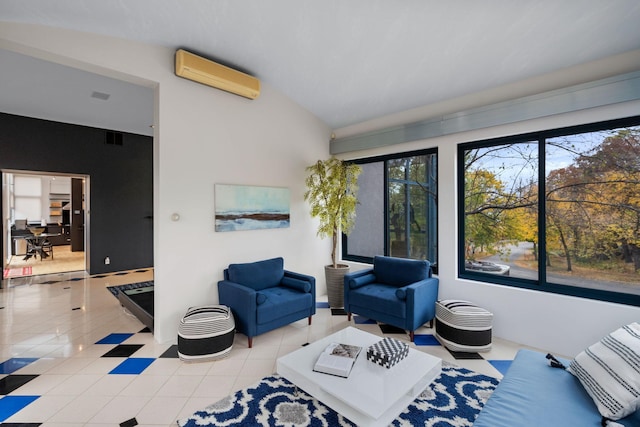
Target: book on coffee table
column 337, row 359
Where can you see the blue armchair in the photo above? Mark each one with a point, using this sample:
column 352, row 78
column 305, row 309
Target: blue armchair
column 396, row 291
column 264, row 296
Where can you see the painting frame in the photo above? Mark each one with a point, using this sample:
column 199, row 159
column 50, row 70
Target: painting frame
column 251, row 207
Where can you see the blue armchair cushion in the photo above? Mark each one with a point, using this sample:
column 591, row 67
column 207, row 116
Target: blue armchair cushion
column 297, row 284
column 380, row 298
column 400, row 272
column 401, row 293
column 281, row 301
column 258, row 275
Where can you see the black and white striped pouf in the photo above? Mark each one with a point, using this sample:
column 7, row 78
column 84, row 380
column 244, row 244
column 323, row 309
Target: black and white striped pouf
column 463, row 326
column 206, row 333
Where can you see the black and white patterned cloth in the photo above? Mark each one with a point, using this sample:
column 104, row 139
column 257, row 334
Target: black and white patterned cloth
column 609, row 370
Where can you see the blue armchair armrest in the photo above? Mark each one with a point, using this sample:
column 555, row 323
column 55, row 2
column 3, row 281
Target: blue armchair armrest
column 243, row 301
column 422, row 291
column 301, row 282
column 303, row 278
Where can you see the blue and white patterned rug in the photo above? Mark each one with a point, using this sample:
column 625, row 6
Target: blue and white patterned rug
column 453, row 399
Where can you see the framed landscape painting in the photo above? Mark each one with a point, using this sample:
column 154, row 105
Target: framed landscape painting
column 244, row 207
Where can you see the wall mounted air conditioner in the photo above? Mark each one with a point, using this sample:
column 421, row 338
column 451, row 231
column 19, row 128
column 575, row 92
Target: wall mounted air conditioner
column 205, row 71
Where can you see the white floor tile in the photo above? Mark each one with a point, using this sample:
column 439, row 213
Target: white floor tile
column 72, row 365
column 217, row 386
column 81, row 409
column 75, row 385
column 144, row 385
column 180, row 386
column 109, row 385
column 259, row 367
column 227, row 366
column 161, row 410
column 194, row 368
column 120, row 409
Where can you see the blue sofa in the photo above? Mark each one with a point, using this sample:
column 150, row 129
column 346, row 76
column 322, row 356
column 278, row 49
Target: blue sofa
column 532, row 394
column 264, row 296
column 397, row 291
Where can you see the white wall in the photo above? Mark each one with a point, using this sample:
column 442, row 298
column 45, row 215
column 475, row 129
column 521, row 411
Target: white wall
column 203, row 136
column 560, row 324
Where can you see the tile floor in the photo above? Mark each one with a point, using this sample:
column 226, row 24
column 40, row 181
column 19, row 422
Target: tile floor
column 70, row 355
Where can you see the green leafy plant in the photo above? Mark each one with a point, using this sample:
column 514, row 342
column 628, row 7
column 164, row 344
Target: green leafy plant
column 332, row 186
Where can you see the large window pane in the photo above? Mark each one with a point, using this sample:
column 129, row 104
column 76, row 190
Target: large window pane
column 397, row 209
column 593, row 210
column 412, row 213
column 558, row 211
column 500, row 210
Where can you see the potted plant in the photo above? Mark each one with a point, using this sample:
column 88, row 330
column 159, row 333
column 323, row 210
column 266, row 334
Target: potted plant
column 332, row 187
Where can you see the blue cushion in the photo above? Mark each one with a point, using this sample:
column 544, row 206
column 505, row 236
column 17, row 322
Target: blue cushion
column 258, row 275
column 260, row 298
column 282, row 301
column 378, row 297
column 401, row 293
column 400, row 271
column 534, row 394
column 297, row 284
column 361, row 280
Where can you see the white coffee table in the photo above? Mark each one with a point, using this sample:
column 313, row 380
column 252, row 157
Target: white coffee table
column 372, row 395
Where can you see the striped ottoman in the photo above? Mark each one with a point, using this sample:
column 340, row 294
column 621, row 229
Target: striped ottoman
column 206, row 333
column 463, row 326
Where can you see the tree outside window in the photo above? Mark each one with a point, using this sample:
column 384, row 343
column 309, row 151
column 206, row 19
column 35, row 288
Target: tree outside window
column 582, row 237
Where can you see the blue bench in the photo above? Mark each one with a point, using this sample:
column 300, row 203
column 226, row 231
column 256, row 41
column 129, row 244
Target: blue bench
column 534, row 394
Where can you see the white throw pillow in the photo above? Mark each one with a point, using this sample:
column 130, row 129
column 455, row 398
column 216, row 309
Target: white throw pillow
column 609, row 370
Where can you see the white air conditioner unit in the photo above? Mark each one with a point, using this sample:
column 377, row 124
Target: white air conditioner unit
column 205, row 71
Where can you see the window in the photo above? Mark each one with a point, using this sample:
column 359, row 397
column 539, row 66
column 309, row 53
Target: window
column 27, row 197
column 557, row 211
column 397, row 208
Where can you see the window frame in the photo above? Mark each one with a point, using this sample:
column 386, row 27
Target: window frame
column 384, row 158
column 541, row 284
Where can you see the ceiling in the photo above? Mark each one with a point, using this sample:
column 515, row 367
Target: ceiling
column 346, row 61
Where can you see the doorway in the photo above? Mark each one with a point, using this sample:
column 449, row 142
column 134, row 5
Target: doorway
column 45, row 225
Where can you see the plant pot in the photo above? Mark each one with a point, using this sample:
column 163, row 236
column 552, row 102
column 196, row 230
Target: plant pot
column 335, row 284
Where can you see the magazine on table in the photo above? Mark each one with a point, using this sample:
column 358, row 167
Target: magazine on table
column 337, row 359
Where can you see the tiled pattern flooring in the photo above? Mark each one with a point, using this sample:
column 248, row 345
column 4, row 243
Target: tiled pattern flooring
column 70, row 355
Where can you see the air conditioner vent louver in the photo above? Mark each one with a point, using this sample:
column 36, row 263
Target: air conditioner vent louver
column 205, row 71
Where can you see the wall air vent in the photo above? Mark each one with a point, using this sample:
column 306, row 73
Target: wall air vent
column 100, row 95
column 205, row 71
column 114, row 138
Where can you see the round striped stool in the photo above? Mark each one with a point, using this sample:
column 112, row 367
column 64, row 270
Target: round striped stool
column 463, row 326
column 206, row 333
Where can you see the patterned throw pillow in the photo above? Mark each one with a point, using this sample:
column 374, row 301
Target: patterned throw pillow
column 609, row 370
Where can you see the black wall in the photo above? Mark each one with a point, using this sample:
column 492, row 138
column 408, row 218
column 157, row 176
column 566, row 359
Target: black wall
column 121, row 182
